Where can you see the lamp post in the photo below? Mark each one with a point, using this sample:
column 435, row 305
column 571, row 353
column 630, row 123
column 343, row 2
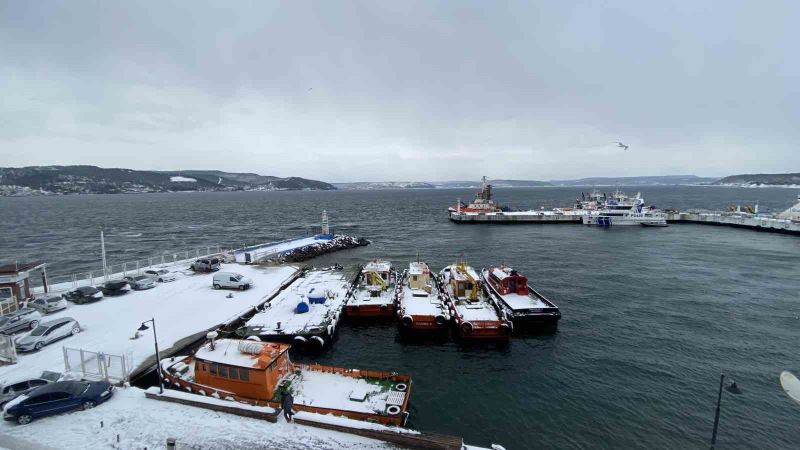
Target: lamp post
column 158, row 357
column 733, row 389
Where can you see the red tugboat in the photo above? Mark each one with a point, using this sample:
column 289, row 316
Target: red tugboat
column 422, row 308
column 476, row 315
column 522, row 303
column 374, row 295
column 483, row 202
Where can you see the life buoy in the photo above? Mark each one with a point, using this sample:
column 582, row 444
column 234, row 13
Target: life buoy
column 400, row 387
column 407, row 320
column 466, row 328
column 393, row 410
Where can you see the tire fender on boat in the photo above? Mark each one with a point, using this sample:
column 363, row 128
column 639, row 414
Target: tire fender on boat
column 440, row 319
column 507, row 327
column 407, row 320
column 319, row 341
column 253, row 338
column 300, row 341
column 393, row 410
column 331, row 329
column 466, row 328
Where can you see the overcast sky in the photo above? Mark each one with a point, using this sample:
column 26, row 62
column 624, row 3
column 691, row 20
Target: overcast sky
column 401, row 90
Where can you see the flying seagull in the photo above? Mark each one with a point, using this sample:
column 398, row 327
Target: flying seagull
column 621, row 145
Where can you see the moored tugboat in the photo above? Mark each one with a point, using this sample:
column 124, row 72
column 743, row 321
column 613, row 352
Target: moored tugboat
column 523, row 304
column 259, row 373
column 374, row 296
column 422, row 308
column 476, row 315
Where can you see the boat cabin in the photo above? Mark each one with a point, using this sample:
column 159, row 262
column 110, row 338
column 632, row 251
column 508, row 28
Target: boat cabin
column 377, row 276
column 508, row 281
column 464, row 282
column 247, row 368
column 419, row 277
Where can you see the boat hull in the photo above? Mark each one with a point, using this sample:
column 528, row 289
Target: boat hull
column 491, row 332
column 370, row 311
column 528, row 318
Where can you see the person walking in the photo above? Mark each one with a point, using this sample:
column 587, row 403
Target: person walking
column 287, row 402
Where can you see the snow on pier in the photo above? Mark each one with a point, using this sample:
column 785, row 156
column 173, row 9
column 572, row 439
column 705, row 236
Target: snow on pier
column 274, row 249
column 181, row 308
column 280, row 316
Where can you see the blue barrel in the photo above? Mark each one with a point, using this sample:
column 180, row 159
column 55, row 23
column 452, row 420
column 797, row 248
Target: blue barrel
column 302, row 307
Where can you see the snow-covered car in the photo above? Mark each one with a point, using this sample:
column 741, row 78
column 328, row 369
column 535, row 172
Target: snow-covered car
column 141, row 282
column 47, row 333
column 48, row 303
column 58, row 397
column 161, row 275
column 84, row 294
column 19, row 320
column 115, row 287
column 11, row 390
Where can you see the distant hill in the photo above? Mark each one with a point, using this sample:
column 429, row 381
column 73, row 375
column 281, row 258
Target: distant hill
column 96, row 180
column 635, row 181
column 496, row 183
column 761, row 179
column 377, row 185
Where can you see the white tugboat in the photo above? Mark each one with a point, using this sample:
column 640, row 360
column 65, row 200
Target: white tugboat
column 421, row 306
column 619, row 209
column 375, row 293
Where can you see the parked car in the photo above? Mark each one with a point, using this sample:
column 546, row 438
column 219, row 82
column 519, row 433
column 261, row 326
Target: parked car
column 55, row 398
column 84, row 294
column 231, row 280
column 141, row 282
column 161, row 275
column 206, row 265
column 115, row 287
column 48, row 303
column 10, row 391
column 47, row 333
column 21, row 319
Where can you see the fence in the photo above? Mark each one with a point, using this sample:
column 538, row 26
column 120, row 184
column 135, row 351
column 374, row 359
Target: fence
column 98, row 366
column 8, row 351
column 115, row 271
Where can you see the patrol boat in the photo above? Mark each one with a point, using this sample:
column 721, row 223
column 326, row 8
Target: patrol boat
column 619, row 209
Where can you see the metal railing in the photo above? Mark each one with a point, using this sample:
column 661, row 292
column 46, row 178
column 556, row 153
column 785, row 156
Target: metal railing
column 98, row 366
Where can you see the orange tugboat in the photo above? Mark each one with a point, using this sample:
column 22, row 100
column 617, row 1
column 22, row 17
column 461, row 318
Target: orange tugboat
column 475, row 314
column 375, row 293
column 421, row 306
column 258, row 373
column 483, row 202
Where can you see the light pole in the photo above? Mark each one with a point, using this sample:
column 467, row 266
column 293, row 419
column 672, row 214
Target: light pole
column 733, row 389
column 158, row 357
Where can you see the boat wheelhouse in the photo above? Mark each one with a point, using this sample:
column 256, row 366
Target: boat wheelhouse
column 522, row 303
column 475, row 314
column 306, row 313
column 374, row 295
column 259, row 373
column 421, row 308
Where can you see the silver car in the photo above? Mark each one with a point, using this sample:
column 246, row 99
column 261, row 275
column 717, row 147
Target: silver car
column 48, row 303
column 141, row 282
column 48, row 332
column 161, row 275
column 21, row 319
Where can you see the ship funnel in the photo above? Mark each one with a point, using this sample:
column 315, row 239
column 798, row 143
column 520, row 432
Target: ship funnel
column 211, row 335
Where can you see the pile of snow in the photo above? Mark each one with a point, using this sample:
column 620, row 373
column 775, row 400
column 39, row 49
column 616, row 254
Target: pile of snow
column 182, row 180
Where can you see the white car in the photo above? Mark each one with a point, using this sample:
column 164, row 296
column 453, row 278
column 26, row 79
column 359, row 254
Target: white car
column 48, row 303
column 161, row 275
column 46, row 333
column 231, row 280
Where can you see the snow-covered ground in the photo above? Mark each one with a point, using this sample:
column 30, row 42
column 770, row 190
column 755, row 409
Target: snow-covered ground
column 180, row 179
column 145, row 423
column 181, row 308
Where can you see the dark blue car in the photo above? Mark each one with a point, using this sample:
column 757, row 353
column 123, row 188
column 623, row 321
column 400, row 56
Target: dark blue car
column 56, row 398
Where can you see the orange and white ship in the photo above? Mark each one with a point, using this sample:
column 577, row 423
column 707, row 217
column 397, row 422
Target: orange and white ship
column 476, row 315
column 422, row 307
column 374, row 294
column 258, row 373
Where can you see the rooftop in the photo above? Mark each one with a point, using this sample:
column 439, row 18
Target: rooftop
column 19, row 267
column 378, row 266
column 234, row 352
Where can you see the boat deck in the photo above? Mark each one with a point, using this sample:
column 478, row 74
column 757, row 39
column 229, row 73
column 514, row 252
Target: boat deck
column 362, row 297
column 523, row 302
column 337, row 391
column 417, row 302
column 281, row 316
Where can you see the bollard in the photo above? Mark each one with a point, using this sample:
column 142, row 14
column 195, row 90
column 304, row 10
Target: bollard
column 118, row 439
column 101, row 424
column 171, row 443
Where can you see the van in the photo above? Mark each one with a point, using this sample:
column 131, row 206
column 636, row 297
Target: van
column 231, row 280
column 206, row 265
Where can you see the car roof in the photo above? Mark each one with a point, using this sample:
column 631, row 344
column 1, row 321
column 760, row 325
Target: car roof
column 86, row 288
column 50, row 323
column 71, row 386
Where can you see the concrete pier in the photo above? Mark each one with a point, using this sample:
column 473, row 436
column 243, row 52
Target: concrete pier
column 513, row 217
column 749, row 221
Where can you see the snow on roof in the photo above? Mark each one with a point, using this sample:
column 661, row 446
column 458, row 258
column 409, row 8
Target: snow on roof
column 417, row 268
column 460, row 273
column 234, row 352
column 377, row 266
column 501, row 274
column 282, row 307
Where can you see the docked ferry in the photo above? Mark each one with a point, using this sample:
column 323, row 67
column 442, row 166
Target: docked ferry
column 619, row 209
column 522, row 303
column 475, row 314
column 375, row 294
column 259, row 373
column 422, row 307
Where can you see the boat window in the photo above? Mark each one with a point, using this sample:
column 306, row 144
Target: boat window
column 414, row 277
column 233, row 373
column 202, row 367
column 244, row 374
column 223, row 371
column 213, row 369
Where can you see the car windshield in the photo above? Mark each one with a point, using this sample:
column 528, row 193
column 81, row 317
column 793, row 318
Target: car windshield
column 86, row 290
column 162, row 272
column 238, row 277
column 54, row 300
column 38, row 331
